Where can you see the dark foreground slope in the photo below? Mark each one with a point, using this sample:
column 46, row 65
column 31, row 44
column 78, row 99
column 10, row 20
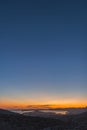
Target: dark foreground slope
column 6, row 112
column 13, row 121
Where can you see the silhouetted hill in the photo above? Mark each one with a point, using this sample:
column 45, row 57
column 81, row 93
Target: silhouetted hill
column 3, row 111
column 83, row 114
column 13, row 121
column 81, row 117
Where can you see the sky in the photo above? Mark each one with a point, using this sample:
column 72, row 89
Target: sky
column 43, row 56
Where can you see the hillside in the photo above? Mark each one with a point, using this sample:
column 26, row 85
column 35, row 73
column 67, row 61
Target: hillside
column 13, row 121
column 6, row 112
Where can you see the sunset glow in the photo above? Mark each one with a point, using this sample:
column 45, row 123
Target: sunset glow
column 43, row 54
column 28, row 105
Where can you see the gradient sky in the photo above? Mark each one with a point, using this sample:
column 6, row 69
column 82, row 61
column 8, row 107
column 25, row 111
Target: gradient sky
column 43, row 55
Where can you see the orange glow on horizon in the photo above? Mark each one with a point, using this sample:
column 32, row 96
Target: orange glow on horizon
column 9, row 105
column 69, row 103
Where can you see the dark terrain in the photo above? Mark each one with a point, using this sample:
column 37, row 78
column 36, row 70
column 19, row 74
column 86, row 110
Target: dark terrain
column 13, row 121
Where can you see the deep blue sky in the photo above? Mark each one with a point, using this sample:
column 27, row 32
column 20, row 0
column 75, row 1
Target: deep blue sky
column 43, row 50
